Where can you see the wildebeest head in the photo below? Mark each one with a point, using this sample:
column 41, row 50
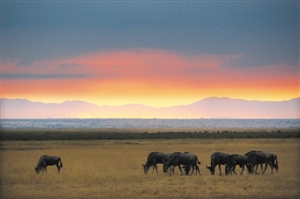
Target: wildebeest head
column 146, row 168
column 170, row 161
column 211, row 169
column 228, row 169
column 249, row 167
column 37, row 170
column 165, row 166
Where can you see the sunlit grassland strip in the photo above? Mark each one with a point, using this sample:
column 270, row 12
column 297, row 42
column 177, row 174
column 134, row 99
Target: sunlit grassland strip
column 112, row 169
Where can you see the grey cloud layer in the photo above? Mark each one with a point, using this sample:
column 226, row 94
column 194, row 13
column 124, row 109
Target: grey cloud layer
column 265, row 32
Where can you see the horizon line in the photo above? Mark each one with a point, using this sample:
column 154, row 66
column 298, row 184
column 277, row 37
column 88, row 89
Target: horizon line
column 213, row 97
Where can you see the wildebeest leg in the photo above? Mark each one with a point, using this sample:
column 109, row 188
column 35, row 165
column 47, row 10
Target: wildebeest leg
column 192, row 170
column 242, row 169
column 265, row 168
column 254, row 171
column 272, row 167
column 179, row 168
column 58, row 167
column 156, row 169
column 220, row 169
column 198, row 170
column 256, row 167
column 233, row 170
column 171, row 169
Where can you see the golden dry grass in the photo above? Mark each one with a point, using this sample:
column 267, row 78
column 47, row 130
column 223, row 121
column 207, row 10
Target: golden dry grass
column 112, row 169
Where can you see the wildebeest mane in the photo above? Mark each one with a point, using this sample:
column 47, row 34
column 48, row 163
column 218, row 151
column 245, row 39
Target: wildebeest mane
column 150, row 157
column 232, row 155
column 253, row 151
column 150, row 154
column 173, row 154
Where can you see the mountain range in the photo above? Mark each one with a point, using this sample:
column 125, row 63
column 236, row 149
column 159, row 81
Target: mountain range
column 207, row 108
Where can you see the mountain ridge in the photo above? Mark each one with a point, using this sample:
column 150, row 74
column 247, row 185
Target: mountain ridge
column 212, row 107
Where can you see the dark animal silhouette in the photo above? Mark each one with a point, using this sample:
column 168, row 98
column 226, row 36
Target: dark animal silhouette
column 153, row 159
column 260, row 157
column 45, row 161
column 188, row 168
column 238, row 160
column 177, row 159
column 217, row 158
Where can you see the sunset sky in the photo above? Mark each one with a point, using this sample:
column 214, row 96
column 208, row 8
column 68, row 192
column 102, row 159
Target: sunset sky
column 160, row 53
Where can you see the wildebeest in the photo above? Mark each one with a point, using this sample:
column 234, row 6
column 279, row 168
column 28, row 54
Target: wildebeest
column 217, row 158
column 45, row 161
column 153, row 159
column 187, row 168
column 260, row 157
column 238, row 160
column 177, row 159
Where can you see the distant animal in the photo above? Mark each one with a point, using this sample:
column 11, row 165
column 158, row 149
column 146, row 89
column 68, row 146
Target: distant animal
column 45, row 161
column 260, row 157
column 178, row 158
column 218, row 158
column 153, row 159
column 238, row 160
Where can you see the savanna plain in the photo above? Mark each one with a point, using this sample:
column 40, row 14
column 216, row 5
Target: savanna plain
column 112, row 169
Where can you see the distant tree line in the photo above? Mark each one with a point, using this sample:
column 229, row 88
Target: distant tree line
column 53, row 134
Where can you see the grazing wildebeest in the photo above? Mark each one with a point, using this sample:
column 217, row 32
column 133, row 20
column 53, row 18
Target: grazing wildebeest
column 260, row 157
column 217, row 158
column 177, row 159
column 153, row 159
column 261, row 164
column 238, row 160
column 45, row 161
column 187, row 168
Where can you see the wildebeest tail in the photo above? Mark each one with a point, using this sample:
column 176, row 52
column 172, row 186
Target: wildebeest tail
column 60, row 163
column 275, row 161
column 198, row 160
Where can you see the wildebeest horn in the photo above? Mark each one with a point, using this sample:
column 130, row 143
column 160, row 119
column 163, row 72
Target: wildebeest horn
column 207, row 167
column 143, row 165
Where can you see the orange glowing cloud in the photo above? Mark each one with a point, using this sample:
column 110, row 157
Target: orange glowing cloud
column 151, row 77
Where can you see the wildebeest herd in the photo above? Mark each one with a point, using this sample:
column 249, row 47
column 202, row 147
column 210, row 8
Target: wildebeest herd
column 189, row 161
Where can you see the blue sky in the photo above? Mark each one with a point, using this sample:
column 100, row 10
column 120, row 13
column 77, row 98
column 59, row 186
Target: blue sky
column 266, row 32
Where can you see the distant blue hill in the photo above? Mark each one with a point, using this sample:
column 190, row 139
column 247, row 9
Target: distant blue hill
column 206, row 108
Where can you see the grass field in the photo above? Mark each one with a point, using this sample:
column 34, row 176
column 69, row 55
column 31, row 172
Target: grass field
column 112, row 169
